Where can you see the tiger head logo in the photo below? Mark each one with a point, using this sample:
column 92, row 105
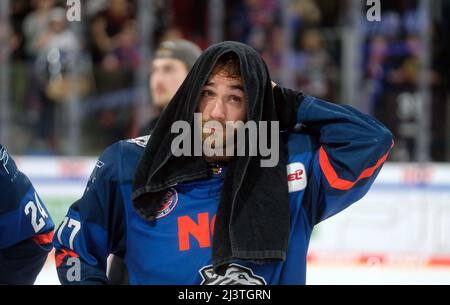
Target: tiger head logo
column 235, row 275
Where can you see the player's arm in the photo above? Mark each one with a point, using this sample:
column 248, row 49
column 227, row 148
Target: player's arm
column 351, row 149
column 92, row 228
column 26, row 227
column 21, row 263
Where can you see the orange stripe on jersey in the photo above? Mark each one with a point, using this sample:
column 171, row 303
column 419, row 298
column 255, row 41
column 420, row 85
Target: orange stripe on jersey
column 43, row 239
column 63, row 253
column 342, row 184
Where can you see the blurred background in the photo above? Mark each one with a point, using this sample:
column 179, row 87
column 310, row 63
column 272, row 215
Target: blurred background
column 68, row 89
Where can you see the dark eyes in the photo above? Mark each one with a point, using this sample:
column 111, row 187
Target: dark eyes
column 232, row 98
column 235, row 99
column 207, row 93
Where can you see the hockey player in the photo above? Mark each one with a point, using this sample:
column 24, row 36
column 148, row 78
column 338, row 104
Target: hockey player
column 222, row 219
column 26, row 228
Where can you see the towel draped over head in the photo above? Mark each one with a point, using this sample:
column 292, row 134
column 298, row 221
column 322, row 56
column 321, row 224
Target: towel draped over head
column 253, row 216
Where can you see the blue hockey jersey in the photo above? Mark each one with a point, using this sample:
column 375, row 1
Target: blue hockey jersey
column 332, row 163
column 26, row 228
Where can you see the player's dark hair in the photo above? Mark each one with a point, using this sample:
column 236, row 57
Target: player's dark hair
column 227, row 65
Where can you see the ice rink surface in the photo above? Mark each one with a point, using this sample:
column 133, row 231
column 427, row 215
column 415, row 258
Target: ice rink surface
column 339, row 275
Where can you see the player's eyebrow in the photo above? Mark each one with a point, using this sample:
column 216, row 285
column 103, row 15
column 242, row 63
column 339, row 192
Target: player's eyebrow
column 234, row 87
column 237, row 87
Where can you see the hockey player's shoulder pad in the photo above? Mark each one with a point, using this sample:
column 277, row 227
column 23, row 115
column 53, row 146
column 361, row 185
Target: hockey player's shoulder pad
column 140, row 141
column 130, row 153
column 7, row 165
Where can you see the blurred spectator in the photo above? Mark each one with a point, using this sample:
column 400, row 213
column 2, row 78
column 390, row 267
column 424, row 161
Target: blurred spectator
column 274, row 52
column 313, row 65
column 258, row 23
column 252, row 20
column 114, row 46
column 19, row 10
column 392, row 79
column 114, row 50
column 56, row 51
column 106, row 27
column 40, row 111
column 36, row 24
column 306, row 12
column 192, row 25
column 56, row 35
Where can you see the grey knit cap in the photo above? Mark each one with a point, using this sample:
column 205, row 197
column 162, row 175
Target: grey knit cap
column 181, row 49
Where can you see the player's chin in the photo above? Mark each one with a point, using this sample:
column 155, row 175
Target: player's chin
column 218, row 159
column 161, row 100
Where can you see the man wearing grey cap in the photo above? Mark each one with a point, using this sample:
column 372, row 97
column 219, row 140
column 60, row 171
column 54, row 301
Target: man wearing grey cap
column 171, row 64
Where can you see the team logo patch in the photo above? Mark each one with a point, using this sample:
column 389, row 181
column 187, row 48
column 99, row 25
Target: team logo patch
column 140, row 141
column 170, row 201
column 235, row 275
column 296, row 176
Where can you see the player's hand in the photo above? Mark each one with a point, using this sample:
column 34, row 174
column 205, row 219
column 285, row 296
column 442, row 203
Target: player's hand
column 287, row 102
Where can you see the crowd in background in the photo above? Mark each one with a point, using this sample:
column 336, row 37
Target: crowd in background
column 103, row 50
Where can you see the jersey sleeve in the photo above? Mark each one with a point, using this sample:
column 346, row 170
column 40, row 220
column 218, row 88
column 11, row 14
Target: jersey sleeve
column 93, row 226
column 26, row 227
column 351, row 149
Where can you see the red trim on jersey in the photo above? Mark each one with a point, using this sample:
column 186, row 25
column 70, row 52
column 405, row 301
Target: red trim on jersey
column 43, row 239
column 62, row 254
column 342, row 184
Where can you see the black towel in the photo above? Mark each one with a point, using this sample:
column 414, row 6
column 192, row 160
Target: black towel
column 253, row 218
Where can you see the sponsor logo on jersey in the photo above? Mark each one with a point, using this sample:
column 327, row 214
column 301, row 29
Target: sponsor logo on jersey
column 170, row 201
column 296, row 176
column 140, row 141
column 235, row 275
